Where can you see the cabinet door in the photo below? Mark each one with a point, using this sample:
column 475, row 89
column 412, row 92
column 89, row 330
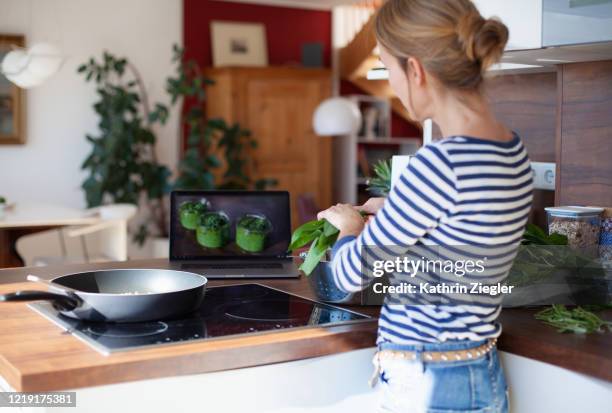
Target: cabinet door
column 523, row 18
column 576, row 22
column 279, row 113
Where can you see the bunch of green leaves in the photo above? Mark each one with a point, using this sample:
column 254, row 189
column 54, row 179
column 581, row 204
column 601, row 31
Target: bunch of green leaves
column 254, row 223
column 380, row 184
column 535, row 235
column 542, row 256
column 207, row 138
column 577, row 320
column 2, row 200
column 122, row 165
column 535, row 259
column 321, row 235
column 213, row 220
column 235, row 144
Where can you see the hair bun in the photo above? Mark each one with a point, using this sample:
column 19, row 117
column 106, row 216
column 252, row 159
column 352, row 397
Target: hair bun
column 482, row 39
column 454, row 43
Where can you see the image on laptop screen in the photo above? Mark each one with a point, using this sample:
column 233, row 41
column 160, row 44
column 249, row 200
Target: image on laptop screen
column 208, row 224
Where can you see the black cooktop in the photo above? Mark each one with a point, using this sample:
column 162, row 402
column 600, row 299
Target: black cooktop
column 225, row 311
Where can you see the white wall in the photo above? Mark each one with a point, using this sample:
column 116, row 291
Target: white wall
column 59, row 113
column 536, row 387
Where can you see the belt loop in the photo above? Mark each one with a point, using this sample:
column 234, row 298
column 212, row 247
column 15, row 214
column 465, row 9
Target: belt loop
column 421, row 359
column 376, row 361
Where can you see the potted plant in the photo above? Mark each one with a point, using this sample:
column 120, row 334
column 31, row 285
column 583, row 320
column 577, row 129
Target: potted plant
column 252, row 231
column 191, row 212
column 213, row 230
column 123, row 166
column 201, row 166
column 380, row 184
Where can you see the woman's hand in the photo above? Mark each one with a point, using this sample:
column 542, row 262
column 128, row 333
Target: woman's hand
column 344, row 217
column 371, row 206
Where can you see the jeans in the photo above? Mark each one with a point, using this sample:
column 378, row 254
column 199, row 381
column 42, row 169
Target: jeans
column 475, row 386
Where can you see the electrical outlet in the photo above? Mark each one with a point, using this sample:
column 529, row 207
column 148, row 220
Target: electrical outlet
column 544, row 175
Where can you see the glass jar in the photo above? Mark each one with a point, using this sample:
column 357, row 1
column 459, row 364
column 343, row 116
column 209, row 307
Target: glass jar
column 605, row 238
column 252, row 231
column 581, row 225
column 213, row 230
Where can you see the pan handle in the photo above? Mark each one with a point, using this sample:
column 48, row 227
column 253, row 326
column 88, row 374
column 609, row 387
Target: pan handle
column 60, row 301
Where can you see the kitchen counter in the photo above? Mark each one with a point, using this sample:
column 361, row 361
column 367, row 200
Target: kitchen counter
column 36, row 355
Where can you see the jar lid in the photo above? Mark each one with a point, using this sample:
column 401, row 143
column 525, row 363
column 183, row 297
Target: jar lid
column 574, row 211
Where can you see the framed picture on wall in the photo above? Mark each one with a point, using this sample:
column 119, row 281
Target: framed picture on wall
column 238, row 44
column 12, row 98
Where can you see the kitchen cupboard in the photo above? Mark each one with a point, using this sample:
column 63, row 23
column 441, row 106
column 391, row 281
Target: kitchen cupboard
column 523, row 18
column 584, row 134
column 576, row 22
column 538, row 24
column 276, row 104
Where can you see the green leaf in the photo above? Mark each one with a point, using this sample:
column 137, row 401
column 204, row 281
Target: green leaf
column 315, row 254
column 307, row 228
column 537, row 236
column 329, row 229
column 577, row 320
column 321, row 234
column 536, row 231
column 304, row 239
column 557, row 239
column 380, row 185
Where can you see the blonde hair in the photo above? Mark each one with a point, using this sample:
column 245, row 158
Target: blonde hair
column 450, row 38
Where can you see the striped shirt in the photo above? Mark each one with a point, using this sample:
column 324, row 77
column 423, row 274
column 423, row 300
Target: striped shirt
column 457, row 191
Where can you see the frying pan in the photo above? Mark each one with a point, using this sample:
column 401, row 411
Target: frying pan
column 125, row 295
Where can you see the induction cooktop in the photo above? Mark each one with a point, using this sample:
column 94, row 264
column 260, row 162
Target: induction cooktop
column 226, row 311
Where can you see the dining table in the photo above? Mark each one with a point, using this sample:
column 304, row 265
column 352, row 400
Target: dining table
column 23, row 218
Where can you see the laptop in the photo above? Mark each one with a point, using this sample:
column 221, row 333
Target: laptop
column 231, row 234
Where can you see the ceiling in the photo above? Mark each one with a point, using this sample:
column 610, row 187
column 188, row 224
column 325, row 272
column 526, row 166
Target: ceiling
column 301, row 4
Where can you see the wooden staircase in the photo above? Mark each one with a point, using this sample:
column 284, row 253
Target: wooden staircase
column 357, row 58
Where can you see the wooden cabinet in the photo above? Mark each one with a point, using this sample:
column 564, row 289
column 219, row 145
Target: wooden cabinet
column 523, row 18
column 276, row 105
column 584, row 134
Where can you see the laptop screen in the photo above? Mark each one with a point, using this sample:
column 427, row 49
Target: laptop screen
column 229, row 224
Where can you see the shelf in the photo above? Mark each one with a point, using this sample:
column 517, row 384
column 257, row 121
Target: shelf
column 389, row 141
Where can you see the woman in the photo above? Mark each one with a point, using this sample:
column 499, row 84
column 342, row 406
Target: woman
column 473, row 187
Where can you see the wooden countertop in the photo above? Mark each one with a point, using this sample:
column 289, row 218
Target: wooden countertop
column 36, row 355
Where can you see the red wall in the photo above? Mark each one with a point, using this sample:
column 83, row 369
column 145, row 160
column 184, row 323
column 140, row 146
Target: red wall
column 286, row 29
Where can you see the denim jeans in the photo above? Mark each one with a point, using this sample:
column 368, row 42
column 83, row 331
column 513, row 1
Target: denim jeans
column 476, row 385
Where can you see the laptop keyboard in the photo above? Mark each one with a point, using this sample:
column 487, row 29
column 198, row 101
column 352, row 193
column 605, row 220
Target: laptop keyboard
column 228, row 266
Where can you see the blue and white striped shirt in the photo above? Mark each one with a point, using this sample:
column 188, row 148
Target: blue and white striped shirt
column 457, row 191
